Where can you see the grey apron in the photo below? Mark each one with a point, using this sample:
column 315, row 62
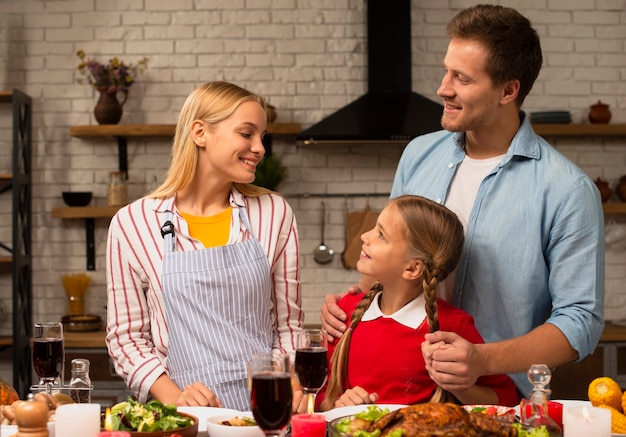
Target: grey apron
column 217, row 306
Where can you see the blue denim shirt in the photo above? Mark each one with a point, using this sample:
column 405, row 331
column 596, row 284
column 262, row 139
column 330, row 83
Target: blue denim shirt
column 534, row 248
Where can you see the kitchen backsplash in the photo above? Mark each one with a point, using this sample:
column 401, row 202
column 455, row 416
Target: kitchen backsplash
column 308, row 58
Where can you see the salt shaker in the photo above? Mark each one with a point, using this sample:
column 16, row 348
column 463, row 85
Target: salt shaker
column 80, row 382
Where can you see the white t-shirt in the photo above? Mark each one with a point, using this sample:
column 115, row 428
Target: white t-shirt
column 460, row 199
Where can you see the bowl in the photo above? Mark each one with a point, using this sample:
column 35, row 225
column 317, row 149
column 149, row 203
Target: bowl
column 82, row 323
column 215, row 427
column 77, row 198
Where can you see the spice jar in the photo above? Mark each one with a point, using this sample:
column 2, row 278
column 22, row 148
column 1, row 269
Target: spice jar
column 80, row 383
column 117, row 193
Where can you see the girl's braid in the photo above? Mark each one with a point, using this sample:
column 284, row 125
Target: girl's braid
column 339, row 360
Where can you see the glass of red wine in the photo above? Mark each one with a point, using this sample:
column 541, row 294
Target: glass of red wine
column 271, row 393
column 48, row 352
column 311, row 363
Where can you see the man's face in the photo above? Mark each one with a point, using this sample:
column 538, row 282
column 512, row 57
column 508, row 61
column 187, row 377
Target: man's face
column 471, row 100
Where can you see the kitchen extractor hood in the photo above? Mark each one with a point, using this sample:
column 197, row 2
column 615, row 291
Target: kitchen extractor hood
column 390, row 112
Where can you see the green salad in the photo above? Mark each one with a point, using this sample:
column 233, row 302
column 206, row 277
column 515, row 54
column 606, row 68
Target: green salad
column 533, row 432
column 152, row 416
column 371, row 414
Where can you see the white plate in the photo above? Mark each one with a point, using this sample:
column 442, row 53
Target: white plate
column 567, row 403
column 353, row 409
column 203, row 413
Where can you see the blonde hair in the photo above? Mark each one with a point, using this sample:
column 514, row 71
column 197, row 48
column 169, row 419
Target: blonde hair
column 435, row 236
column 211, row 102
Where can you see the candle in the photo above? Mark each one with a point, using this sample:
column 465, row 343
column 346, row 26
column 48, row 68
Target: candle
column 308, row 425
column 586, row 421
column 108, row 422
column 77, row 420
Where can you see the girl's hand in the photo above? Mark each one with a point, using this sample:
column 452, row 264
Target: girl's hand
column 356, row 396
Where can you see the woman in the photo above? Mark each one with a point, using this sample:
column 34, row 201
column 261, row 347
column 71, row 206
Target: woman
column 203, row 272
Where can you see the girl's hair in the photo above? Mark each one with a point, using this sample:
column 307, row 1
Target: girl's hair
column 212, row 102
column 435, row 236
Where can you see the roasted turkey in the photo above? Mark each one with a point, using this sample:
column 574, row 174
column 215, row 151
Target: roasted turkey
column 439, row 419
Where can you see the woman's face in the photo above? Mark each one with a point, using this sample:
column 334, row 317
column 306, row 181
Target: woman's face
column 233, row 147
column 384, row 254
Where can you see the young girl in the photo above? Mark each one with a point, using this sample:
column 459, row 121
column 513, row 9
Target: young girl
column 203, row 272
column 415, row 244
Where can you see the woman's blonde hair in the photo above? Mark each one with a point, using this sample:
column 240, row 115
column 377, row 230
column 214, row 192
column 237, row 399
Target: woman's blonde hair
column 435, row 236
column 211, row 102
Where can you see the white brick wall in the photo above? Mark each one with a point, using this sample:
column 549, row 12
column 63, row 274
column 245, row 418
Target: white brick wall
column 308, row 58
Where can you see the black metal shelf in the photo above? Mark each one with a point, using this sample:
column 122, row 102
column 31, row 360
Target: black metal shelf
column 19, row 182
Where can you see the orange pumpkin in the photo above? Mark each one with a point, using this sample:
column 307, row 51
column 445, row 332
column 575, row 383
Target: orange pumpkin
column 8, row 395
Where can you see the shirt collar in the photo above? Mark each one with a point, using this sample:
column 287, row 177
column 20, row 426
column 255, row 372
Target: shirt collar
column 411, row 315
column 525, row 142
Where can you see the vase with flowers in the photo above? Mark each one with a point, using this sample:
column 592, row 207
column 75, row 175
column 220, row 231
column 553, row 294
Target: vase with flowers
column 111, row 80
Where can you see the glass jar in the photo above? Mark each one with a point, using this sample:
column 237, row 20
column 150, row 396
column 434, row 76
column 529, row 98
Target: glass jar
column 534, row 411
column 80, row 382
column 117, row 193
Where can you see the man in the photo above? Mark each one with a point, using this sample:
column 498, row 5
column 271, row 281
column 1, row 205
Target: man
column 532, row 272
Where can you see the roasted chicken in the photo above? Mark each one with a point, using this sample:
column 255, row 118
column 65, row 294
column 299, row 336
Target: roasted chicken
column 440, row 419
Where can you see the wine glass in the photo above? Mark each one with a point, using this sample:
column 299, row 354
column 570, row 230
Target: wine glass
column 311, row 363
column 271, row 393
column 48, row 352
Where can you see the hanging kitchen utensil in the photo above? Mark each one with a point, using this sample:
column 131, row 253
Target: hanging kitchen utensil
column 322, row 253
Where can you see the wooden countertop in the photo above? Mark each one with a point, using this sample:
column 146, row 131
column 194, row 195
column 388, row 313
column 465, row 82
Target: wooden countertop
column 88, row 340
column 612, row 333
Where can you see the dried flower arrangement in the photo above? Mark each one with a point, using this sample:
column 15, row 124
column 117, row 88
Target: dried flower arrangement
column 115, row 76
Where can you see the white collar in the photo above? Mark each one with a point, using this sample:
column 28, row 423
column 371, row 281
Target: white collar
column 411, row 315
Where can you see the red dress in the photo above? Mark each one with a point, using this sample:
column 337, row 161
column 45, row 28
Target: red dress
column 385, row 356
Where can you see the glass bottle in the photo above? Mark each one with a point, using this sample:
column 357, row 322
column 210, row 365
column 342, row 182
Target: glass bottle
column 80, row 383
column 117, row 192
column 534, row 412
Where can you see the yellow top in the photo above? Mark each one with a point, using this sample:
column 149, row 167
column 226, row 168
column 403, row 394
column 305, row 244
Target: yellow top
column 212, row 231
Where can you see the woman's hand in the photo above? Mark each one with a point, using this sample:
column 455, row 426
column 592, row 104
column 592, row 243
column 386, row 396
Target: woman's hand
column 198, row 395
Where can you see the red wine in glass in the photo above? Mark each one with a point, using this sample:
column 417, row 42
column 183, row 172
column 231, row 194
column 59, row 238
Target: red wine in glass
column 48, row 352
column 312, row 367
column 271, row 400
column 48, row 358
column 311, row 363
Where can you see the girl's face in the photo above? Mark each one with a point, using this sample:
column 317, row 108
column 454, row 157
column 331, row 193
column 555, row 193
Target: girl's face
column 384, row 254
column 233, row 147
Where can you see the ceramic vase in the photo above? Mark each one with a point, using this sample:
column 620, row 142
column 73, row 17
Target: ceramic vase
column 605, row 189
column 599, row 113
column 109, row 108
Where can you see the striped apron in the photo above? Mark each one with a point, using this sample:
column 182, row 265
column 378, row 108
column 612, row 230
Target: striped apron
column 217, row 306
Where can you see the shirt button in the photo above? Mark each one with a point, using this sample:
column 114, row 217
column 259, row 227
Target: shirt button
column 450, row 165
column 438, row 200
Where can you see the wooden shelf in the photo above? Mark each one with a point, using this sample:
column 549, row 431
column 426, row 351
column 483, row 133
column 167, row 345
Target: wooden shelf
column 78, row 212
column 159, row 130
column 614, row 208
column 580, row 130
